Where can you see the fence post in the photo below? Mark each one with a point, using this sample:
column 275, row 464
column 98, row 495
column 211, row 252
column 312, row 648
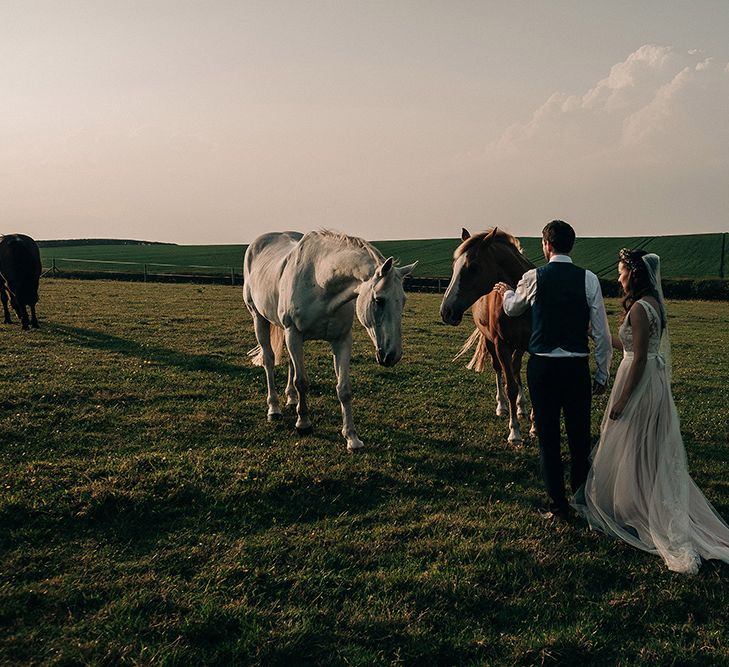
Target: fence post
column 232, row 276
column 145, row 273
column 53, row 268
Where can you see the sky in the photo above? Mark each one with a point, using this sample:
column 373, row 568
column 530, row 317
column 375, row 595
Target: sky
column 206, row 122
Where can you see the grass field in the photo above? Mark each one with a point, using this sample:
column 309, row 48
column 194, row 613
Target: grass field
column 689, row 256
column 150, row 515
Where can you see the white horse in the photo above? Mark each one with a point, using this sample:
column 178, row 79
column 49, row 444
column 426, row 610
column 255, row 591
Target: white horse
column 303, row 287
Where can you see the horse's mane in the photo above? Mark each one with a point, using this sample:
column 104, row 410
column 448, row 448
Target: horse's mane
column 500, row 237
column 349, row 241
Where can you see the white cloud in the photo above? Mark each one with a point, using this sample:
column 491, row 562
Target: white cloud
column 704, row 64
column 629, row 82
column 640, row 138
column 653, row 90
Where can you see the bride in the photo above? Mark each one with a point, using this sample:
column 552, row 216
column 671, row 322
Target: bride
column 638, row 488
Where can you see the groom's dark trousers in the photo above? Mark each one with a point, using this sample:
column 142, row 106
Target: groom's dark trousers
column 561, row 386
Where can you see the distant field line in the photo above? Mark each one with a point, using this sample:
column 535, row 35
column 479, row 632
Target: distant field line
column 112, row 261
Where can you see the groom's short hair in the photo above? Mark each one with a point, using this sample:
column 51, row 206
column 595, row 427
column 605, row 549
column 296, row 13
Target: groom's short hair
column 559, row 235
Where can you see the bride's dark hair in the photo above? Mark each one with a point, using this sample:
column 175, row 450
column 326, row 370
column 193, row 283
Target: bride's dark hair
column 639, row 282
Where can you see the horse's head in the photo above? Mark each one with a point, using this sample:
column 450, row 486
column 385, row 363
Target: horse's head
column 476, row 270
column 380, row 302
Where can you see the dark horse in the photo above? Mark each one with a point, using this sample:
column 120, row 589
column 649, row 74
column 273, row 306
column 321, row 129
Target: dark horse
column 20, row 270
column 479, row 263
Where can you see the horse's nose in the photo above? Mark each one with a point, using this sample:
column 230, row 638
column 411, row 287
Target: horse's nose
column 387, row 358
column 447, row 315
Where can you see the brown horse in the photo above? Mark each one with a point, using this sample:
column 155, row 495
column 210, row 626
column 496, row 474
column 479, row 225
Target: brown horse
column 478, row 264
column 20, row 270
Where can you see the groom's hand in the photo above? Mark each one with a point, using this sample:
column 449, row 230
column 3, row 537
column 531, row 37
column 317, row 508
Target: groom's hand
column 598, row 389
column 503, row 288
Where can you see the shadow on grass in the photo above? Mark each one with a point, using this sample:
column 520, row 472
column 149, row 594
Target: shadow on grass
column 140, row 512
column 98, row 340
column 144, row 513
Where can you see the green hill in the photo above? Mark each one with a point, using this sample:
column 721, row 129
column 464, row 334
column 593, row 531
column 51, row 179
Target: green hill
column 186, row 255
column 685, row 256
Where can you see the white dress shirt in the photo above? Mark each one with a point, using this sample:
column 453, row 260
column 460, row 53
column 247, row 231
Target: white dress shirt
column 517, row 301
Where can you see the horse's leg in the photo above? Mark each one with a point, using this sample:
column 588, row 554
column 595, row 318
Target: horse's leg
column 262, row 327
column 342, row 352
column 23, row 311
column 4, row 299
column 291, row 393
column 521, row 400
column 33, row 318
column 516, row 365
column 295, row 346
column 504, row 353
column 501, row 404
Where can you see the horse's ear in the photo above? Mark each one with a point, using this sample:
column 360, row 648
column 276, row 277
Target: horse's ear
column 465, row 234
column 385, row 267
column 406, row 270
column 490, row 235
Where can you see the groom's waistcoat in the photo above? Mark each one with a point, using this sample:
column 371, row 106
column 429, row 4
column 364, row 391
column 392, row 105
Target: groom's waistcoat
column 560, row 313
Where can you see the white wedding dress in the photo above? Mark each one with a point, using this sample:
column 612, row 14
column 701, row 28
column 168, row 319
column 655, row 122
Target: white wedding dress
column 638, row 488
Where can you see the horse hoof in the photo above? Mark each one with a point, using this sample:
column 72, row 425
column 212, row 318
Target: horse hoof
column 516, row 443
column 355, row 446
column 305, row 430
column 274, row 416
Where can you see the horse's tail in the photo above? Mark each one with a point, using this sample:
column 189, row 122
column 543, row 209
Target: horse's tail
column 277, row 343
column 480, row 355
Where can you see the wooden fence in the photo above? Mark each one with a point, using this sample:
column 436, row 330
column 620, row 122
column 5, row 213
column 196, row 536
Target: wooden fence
column 92, row 269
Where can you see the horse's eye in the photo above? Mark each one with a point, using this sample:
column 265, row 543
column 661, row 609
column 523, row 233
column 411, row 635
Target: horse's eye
column 379, row 301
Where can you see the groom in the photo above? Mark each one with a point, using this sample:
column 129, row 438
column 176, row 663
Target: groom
column 565, row 300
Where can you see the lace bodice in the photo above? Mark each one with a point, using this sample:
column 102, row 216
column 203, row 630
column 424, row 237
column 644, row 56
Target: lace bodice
column 654, row 330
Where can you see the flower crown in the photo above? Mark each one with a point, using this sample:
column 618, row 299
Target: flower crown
column 629, row 259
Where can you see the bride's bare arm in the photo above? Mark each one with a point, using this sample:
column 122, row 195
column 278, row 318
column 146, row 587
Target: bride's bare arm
column 617, row 343
column 639, row 324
